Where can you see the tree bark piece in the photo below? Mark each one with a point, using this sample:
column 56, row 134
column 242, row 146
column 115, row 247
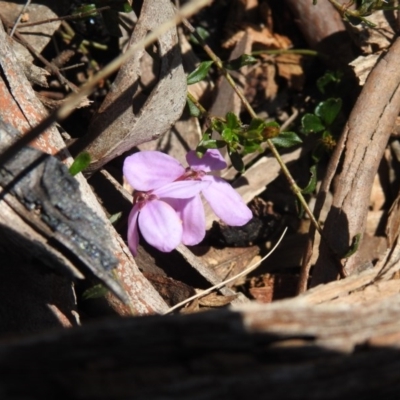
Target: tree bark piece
column 285, row 350
column 323, row 29
column 125, row 120
column 21, row 109
column 358, row 153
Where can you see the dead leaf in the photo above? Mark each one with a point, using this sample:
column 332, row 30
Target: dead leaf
column 268, row 287
column 216, row 300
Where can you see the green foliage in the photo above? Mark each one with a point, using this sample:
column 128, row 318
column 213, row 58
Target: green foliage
column 363, row 8
column 286, row 139
column 236, row 160
column 354, row 245
column 115, row 217
column 311, row 124
column 194, row 111
column 203, row 33
column 330, row 77
column 87, row 9
column 312, row 183
column 237, row 63
column 322, row 120
column 242, row 139
column 80, row 163
column 199, row 73
column 95, row 292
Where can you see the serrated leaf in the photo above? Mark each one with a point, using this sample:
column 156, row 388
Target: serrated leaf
column 81, row 162
column 203, row 33
column 257, row 123
column 243, row 60
column 328, row 110
column 228, row 135
column 311, row 124
column 232, row 121
column 95, row 292
column 194, row 111
column 286, row 139
column 199, row 73
column 251, row 147
column 312, row 183
column 217, row 125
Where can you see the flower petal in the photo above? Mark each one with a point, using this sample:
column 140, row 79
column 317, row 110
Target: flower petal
column 149, row 170
column 160, row 225
column 212, row 160
column 191, row 212
column 181, row 189
column 133, row 232
column 226, row 202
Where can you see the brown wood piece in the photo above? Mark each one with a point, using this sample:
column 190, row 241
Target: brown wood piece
column 289, row 349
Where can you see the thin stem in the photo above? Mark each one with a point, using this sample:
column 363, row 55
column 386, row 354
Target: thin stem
column 197, row 104
column 19, row 17
column 302, row 52
column 285, row 170
column 66, row 17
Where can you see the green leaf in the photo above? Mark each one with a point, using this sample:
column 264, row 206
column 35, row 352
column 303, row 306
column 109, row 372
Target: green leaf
column 95, row 292
column 312, row 184
column 81, row 162
column 355, row 243
column 311, row 124
column 236, row 160
column 251, row 147
column 212, row 144
column 327, row 78
column 286, row 139
column 199, row 73
column 115, row 217
column 228, row 134
column 127, row 8
column 243, row 60
column 207, row 143
column 85, row 8
column 232, row 121
column 194, row 111
column 203, row 33
column 217, row 125
column 257, row 124
column 328, row 110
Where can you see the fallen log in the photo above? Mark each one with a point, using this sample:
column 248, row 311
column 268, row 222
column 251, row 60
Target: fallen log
column 290, row 349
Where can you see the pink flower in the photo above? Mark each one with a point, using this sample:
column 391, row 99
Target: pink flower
column 223, row 199
column 167, row 208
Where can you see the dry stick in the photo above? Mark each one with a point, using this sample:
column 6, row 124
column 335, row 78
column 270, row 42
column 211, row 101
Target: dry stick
column 19, row 17
column 66, row 17
column 74, row 99
column 48, row 64
column 233, row 278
